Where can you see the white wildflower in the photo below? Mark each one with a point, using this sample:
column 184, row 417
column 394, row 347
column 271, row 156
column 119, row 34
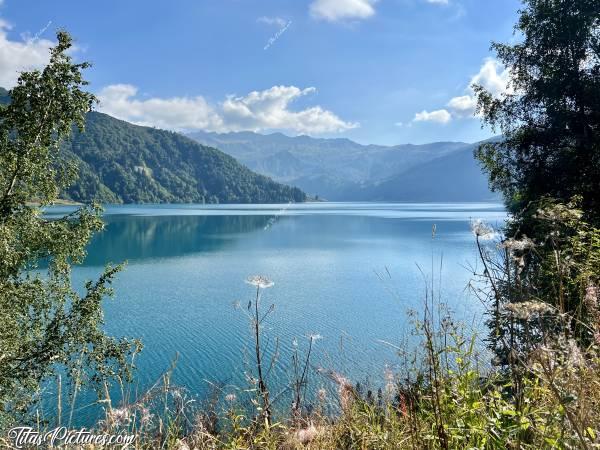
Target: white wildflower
column 306, row 435
column 574, row 355
column 119, row 416
column 390, row 384
column 146, row 417
column 260, row 281
column 558, row 213
column 181, row 445
column 518, row 245
column 345, row 391
column 591, row 297
column 482, row 230
column 230, row 398
column 528, row 310
column 314, row 337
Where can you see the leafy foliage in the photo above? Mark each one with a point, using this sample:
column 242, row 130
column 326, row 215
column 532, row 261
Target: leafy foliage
column 45, row 324
column 124, row 163
column 550, row 117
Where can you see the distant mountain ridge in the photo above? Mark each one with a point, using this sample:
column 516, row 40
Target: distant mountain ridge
column 121, row 162
column 344, row 170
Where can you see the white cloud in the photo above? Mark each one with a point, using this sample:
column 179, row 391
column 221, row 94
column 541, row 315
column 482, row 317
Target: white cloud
column 339, row 10
column 463, row 106
column 20, row 55
column 440, row 116
column 277, row 21
column 174, row 113
column 256, row 111
column 438, row 2
column 492, row 76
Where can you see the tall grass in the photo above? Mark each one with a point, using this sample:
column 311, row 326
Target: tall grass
column 541, row 389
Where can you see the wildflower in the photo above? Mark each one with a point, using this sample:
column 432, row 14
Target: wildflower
column 390, row 385
column 528, row 310
column 181, row 445
column 306, row 435
column 260, row 281
column 574, row 356
column 591, row 297
column 482, row 230
column 119, row 416
column 314, row 337
column 518, row 245
column 230, row 398
column 146, row 417
column 558, row 213
column 345, row 390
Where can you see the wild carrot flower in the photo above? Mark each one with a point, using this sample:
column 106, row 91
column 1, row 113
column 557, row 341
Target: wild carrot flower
column 518, row 245
column 574, row 356
column 482, row 230
column 345, row 390
column 119, row 416
column 528, row 310
column 390, row 385
column 260, row 281
column 306, row 435
column 591, row 298
column 181, row 445
column 146, row 417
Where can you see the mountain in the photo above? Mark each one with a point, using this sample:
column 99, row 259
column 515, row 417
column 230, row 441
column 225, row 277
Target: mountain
column 123, row 163
column 120, row 162
column 343, row 170
column 4, row 97
column 454, row 178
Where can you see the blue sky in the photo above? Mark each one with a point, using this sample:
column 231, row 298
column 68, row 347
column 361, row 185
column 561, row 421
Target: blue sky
column 385, row 71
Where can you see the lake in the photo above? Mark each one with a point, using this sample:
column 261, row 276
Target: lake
column 346, row 271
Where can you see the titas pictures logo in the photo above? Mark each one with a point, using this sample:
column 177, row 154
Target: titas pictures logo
column 27, row 437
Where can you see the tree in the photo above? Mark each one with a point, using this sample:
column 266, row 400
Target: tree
column 45, row 324
column 550, row 115
column 547, row 163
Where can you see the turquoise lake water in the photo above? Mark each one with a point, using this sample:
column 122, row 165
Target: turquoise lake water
column 347, row 271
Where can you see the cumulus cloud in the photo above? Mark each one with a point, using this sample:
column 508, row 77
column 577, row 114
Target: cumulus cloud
column 463, row 106
column 438, row 2
column 256, row 111
column 440, row 116
column 180, row 113
column 340, row 10
column 492, row 75
column 20, row 55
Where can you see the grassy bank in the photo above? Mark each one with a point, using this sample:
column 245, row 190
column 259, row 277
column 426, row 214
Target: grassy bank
column 537, row 385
